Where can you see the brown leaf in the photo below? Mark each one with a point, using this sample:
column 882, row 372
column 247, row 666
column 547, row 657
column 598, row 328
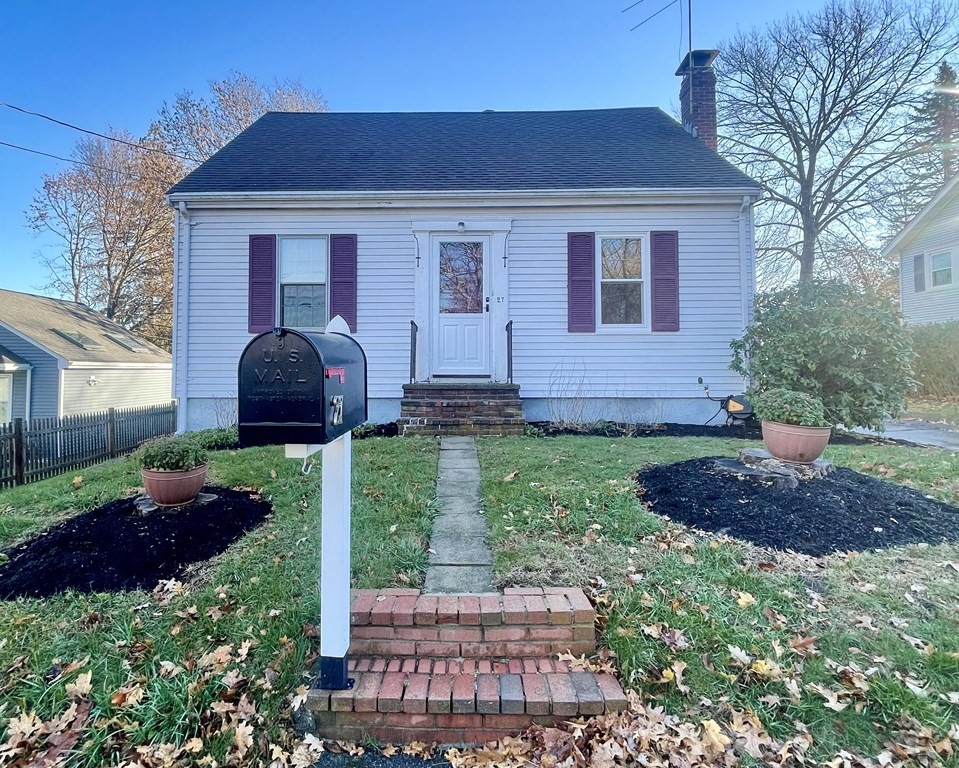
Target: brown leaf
column 511, row 476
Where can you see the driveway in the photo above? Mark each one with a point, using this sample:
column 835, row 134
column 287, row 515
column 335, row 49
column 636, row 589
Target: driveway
column 932, row 433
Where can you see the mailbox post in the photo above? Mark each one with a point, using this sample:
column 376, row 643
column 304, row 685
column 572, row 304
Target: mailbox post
column 307, row 391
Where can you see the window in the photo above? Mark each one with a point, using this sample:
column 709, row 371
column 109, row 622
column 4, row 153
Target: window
column 6, row 398
column 127, row 342
column 80, row 339
column 302, row 279
column 941, row 269
column 622, row 284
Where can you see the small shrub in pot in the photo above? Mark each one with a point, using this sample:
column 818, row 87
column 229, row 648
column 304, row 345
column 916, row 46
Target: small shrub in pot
column 173, row 469
column 786, row 406
column 795, row 427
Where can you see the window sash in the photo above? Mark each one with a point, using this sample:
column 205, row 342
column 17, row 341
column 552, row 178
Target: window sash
column 941, row 269
column 619, row 307
column 302, row 308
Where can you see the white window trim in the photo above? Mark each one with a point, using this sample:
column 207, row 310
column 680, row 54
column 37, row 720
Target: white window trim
column 8, row 376
column 952, row 266
column 280, row 283
column 645, row 326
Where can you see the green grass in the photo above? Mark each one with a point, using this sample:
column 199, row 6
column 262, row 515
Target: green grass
column 934, row 410
column 262, row 590
column 564, row 510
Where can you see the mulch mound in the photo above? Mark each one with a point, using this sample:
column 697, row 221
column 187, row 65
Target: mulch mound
column 842, row 512
column 115, row 548
column 750, row 430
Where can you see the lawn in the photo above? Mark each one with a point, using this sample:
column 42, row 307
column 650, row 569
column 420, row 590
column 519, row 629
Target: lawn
column 204, row 669
column 852, row 648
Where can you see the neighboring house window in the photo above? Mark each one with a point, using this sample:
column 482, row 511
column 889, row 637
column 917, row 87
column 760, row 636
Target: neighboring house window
column 302, row 281
column 622, row 284
column 6, row 398
column 941, row 268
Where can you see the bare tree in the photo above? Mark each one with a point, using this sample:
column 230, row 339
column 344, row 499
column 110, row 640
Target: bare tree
column 197, row 126
column 115, row 233
column 818, row 108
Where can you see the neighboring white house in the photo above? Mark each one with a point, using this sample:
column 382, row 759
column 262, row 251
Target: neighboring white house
column 928, row 254
column 60, row 358
column 618, row 246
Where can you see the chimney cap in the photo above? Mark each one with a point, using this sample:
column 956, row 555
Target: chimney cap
column 704, row 57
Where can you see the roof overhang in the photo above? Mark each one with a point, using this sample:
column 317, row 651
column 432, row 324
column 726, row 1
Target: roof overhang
column 933, row 207
column 460, row 198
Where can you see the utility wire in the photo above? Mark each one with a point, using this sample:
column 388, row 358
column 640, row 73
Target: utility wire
column 653, row 16
column 83, row 162
column 95, row 133
column 628, row 7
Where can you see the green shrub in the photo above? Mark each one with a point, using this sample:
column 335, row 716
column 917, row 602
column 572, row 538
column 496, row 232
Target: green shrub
column 217, row 439
column 789, row 407
column 827, row 339
column 937, row 358
column 171, row 453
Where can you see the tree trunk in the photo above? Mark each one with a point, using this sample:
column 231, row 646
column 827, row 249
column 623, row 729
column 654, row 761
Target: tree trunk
column 807, row 259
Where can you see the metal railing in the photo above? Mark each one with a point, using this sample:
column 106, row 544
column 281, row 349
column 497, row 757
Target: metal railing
column 414, row 330
column 509, row 352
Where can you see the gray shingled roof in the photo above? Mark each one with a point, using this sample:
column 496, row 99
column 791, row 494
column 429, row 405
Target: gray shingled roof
column 36, row 317
column 462, row 151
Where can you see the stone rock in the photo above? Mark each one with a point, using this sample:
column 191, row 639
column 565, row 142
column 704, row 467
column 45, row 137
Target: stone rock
column 145, row 505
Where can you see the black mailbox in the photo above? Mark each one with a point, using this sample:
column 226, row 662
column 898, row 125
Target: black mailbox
column 300, row 387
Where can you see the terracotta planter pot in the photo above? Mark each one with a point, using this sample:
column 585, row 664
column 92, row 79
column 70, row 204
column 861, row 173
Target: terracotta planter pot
column 790, row 442
column 171, row 488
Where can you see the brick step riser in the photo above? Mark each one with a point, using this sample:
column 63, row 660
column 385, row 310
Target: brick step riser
column 459, row 431
column 456, row 641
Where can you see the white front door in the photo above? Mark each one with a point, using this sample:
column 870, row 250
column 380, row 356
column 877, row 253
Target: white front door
column 461, row 330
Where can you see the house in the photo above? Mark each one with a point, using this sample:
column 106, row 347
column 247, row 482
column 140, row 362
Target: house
column 59, row 358
column 928, row 254
column 567, row 265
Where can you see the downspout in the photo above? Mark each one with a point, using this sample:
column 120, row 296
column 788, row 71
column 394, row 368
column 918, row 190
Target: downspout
column 26, row 405
column 181, row 313
column 745, row 265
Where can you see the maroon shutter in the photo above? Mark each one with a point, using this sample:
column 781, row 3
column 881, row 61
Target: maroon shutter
column 919, row 272
column 664, row 269
column 581, row 282
column 343, row 278
column 262, row 290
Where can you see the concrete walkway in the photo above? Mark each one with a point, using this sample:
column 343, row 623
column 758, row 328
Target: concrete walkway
column 928, row 433
column 460, row 560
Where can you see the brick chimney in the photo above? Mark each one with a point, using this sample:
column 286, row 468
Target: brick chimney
column 699, row 108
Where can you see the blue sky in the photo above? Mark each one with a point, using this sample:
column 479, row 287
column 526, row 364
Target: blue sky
column 110, row 63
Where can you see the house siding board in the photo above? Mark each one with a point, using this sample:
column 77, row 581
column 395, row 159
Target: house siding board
column 654, row 365
column 44, row 377
column 115, row 388
column 933, row 305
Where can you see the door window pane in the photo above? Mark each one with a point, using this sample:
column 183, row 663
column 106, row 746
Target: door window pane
column 461, row 277
column 622, row 303
column 303, row 306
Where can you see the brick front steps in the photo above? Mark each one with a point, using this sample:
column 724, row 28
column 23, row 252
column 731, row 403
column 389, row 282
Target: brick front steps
column 463, row 669
column 461, row 409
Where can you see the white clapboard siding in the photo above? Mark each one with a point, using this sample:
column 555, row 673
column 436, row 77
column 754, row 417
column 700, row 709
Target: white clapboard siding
column 934, row 305
column 115, row 388
column 715, row 288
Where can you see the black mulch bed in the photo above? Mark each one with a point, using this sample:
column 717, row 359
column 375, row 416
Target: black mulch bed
column 749, row 431
column 842, row 512
column 114, row 548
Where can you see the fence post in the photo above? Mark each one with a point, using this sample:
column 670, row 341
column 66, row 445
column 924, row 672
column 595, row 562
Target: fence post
column 112, row 432
column 19, row 453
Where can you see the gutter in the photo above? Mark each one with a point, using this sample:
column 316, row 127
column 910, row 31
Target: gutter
column 385, row 197
column 181, row 312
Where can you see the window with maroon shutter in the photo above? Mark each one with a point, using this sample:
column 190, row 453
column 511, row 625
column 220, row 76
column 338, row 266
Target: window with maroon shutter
column 261, row 314
column 343, row 278
column 919, row 272
column 581, row 282
column 664, row 276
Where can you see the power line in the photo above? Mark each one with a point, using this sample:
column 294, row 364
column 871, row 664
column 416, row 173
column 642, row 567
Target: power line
column 95, row 133
column 629, row 7
column 83, row 162
column 653, row 16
